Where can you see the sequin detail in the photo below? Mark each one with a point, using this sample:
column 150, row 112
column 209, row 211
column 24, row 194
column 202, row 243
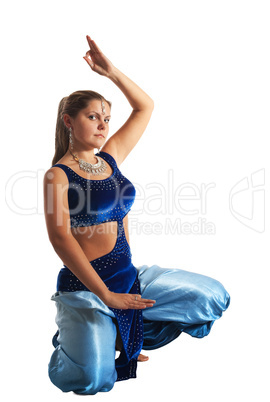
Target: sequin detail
column 92, row 202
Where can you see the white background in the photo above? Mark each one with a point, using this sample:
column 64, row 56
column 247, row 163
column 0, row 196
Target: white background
column 206, row 65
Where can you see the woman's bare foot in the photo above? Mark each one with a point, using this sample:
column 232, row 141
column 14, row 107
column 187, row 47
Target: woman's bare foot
column 142, row 358
column 119, row 345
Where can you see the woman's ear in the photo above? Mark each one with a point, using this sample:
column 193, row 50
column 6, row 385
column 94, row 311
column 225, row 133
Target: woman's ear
column 67, row 120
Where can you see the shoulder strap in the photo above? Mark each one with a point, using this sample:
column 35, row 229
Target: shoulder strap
column 65, row 168
column 108, row 158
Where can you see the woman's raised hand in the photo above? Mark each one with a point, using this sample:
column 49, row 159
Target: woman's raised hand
column 127, row 301
column 97, row 60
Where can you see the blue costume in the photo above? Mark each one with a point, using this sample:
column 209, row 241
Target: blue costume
column 84, row 357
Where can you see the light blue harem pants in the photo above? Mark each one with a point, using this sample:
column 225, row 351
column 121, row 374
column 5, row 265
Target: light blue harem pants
column 84, row 357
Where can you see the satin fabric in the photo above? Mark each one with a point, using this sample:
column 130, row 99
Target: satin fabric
column 84, row 357
column 92, row 202
column 120, row 276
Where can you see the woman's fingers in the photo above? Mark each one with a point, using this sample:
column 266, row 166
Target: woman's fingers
column 89, row 40
column 92, row 44
column 142, row 303
column 89, row 61
column 87, row 57
column 128, row 301
column 98, row 61
column 139, row 298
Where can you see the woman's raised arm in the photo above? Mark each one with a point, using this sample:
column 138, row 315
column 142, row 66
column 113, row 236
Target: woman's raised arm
column 124, row 140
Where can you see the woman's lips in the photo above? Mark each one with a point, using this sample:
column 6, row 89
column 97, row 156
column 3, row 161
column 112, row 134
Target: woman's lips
column 100, row 135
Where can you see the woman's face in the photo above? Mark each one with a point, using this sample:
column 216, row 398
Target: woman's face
column 90, row 127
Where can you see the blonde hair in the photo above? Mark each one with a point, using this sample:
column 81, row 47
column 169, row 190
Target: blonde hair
column 71, row 105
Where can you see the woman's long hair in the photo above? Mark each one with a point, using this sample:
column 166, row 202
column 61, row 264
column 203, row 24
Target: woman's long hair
column 71, row 105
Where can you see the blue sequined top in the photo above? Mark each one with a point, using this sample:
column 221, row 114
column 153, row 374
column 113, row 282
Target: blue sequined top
column 92, row 202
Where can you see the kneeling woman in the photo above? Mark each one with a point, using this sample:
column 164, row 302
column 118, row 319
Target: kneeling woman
column 103, row 301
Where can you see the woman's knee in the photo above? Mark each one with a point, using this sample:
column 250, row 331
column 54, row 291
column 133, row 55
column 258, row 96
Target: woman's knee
column 178, row 293
column 81, row 379
column 94, row 379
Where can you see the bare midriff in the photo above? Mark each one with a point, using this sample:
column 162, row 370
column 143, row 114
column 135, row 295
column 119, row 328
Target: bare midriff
column 98, row 240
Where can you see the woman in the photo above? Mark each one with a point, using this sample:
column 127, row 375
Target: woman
column 103, row 302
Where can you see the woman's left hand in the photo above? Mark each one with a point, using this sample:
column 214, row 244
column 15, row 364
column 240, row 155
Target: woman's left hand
column 97, row 60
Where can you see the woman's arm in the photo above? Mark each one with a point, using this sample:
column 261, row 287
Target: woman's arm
column 69, row 250
column 124, row 140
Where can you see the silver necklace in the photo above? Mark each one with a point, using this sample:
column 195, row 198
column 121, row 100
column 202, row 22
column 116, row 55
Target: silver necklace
column 95, row 169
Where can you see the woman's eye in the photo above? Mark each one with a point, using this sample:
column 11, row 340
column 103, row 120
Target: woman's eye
column 107, row 120
column 92, row 117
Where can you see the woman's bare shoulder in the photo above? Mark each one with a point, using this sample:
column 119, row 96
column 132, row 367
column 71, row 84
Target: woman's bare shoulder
column 55, row 174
